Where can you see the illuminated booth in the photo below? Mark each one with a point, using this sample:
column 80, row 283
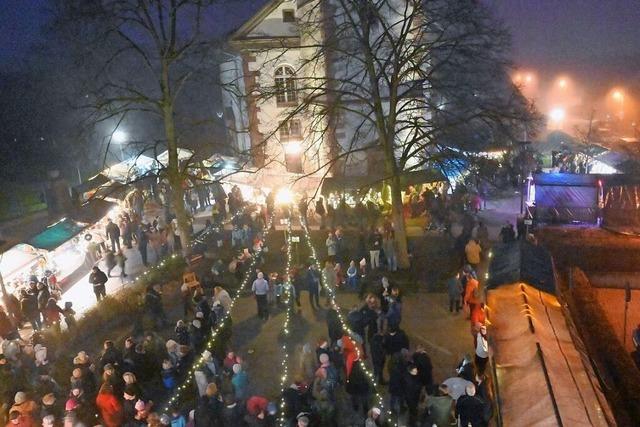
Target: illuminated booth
column 562, row 198
column 61, row 248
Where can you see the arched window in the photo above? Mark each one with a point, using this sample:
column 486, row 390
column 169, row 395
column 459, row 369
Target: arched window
column 285, row 86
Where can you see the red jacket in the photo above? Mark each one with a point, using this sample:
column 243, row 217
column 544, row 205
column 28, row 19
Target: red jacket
column 256, row 404
column 110, row 409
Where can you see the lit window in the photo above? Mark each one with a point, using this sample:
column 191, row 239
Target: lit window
column 285, row 86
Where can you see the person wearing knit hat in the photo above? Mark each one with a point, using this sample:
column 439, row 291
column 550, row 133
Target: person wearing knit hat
column 50, row 406
column 240, row 382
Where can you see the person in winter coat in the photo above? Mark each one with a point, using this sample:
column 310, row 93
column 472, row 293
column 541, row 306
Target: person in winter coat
column 454, row 289
column 332, row 245
column 425, row 369
column 440, row 408
column 29, row 309
column 412, row 392
column 98, row 279
column 358, row 388
column 113, row 234
column 312, row 280
column 177, row 419
column 470, row 408
column 209, row 408
column 168, row 374
column 240, row 381
column 375, row 245
column 109, row 406
column 153, row 305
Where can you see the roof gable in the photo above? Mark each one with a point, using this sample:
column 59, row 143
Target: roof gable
column 268, row 23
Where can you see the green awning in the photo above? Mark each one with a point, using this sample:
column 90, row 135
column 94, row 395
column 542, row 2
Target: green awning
column 57, row 234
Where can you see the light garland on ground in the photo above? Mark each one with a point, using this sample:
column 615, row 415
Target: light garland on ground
column 215, row 333
column 343, row 323
column 285, row 349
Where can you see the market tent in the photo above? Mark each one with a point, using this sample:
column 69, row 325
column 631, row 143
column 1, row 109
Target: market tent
column 183, row 155
column 131, row 169
column 57, row 234
column 542, row 376
column 16, row 258
column 521, row 261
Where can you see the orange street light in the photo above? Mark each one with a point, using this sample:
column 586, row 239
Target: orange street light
column 618, row 95
column 562, row 83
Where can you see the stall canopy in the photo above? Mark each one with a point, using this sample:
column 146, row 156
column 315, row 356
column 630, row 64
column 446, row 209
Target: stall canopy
column 352, row 183
column 543, row 377
column 131, row 169
column 183, row 155
column 57, row 234
column 521, row 261
column 15, row 259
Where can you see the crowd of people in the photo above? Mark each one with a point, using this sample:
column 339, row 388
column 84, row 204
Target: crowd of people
column 124, row 383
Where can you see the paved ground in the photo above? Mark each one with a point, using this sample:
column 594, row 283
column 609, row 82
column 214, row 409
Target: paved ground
column 426, row 319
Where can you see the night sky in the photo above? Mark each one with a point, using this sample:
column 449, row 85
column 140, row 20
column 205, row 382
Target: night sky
column 594, row 39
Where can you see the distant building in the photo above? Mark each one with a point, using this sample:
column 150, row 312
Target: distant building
column 269, row 51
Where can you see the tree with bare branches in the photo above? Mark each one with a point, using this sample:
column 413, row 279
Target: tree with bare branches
column 141, row 58
column 395, row 80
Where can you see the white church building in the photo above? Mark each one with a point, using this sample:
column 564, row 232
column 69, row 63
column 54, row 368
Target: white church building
column 268, row 51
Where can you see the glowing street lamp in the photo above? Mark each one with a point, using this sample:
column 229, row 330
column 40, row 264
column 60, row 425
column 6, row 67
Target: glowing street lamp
column 119, row 136
column 562, row 83
column 557, row 116
column 618, row 95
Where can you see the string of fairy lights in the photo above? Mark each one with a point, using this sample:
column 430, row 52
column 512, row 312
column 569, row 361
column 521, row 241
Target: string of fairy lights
column 216, row 332
column 332, row 297
column 285, row 344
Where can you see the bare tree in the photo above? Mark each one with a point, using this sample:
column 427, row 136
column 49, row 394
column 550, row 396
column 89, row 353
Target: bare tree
column 146, row 54
column 399, row 78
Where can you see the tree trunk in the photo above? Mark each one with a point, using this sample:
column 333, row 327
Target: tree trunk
column 173, row 168
column 397, row 216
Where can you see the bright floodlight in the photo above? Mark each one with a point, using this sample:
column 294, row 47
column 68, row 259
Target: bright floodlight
column 562, row 83
column 557, row 114
column 119, row 136
column 284, row 196
column 618, row 95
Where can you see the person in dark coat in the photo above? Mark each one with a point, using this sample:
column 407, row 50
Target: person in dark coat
column 209, row 408
column 153, row 305
column 233, row 412
column 113, row 234
column 412, row 392
column 358, row 388
column 397, row 369
column 312, row 280
column 470, row 408
column 143, row 241
column 334, row 326
column 425, row 369
column 395, row 341
column 98, row 279
column 378, row 357
column 29, row 308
